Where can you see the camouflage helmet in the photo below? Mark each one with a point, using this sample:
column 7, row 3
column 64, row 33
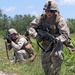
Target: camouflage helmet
column 51, row 5
column 12, row 31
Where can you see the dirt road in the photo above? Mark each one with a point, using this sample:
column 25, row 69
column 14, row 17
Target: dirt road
column 2, row 73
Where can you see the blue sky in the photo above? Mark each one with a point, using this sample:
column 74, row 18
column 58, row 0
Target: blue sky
column 35, row 7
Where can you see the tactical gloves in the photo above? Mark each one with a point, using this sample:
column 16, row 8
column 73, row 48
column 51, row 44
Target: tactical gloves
column 57, row 41
column 47, row 36
column 8, row 39
column 32, row 32
column 26, row 33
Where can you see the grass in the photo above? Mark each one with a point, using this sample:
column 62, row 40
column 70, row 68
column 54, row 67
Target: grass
column 34, row 68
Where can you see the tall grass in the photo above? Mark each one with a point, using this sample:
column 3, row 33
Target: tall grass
column 34, row 68
column 29, row 68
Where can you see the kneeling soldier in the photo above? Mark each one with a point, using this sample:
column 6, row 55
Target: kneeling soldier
column 20, row 45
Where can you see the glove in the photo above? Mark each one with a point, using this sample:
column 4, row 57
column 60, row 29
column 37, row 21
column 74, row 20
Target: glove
column 26, row 33
column 8, row 39
column 56, row 41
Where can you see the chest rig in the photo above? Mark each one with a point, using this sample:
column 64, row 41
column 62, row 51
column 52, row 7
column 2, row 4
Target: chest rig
column 26, row 46
column 52, row 24
column 16, row 41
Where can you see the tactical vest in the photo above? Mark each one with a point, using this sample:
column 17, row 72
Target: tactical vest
column 16, row 41
column 26, row 46
column 52, row 24
column 53, row 29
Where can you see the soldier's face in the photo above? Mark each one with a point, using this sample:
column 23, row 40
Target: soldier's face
column 13, row 36
column 49, row 14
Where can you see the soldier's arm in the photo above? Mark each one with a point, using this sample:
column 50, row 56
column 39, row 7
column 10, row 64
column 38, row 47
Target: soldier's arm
column 63, row 30
column 33, row 25
column 20, row 43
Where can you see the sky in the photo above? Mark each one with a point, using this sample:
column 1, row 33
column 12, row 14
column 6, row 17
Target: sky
column 35, row 7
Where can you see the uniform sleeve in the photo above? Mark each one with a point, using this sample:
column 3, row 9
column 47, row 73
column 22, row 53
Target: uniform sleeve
column 19, row 44
column 63, row 30
column 34, row 24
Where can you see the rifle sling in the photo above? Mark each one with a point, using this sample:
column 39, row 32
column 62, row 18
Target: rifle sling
column 47, row 49
column 40, row 46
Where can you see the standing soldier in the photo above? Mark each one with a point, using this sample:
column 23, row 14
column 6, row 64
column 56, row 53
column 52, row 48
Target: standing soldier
column 51, row 30
column 20, row 46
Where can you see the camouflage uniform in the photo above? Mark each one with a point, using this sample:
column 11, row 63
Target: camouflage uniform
column 22, row 48
column 51, row 62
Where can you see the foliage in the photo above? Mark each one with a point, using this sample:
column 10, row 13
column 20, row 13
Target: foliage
column 71, row 24
column 19, row 22
column 22, row 22
column 35, row 68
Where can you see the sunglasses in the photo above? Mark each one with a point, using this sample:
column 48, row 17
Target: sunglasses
column 49, row 11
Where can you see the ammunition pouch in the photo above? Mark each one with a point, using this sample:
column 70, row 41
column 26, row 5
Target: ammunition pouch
column 29, row 48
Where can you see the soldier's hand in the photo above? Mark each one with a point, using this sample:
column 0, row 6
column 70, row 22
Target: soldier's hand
column 8, row 39
column 26, row 33
column 56, row 41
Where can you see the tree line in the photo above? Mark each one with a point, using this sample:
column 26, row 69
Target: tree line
column 21, row 23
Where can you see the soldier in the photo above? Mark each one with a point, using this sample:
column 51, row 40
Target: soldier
column 22, row 49
column 52, row 22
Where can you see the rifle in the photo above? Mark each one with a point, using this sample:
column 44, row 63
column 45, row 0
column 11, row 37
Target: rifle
column 6, row 42
column 46, row 35
column 43, row 32
column 7, row 50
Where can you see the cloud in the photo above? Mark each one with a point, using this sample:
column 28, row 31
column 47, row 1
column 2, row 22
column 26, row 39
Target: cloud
column 34, row 13
column 9, row 9
column 66, row 2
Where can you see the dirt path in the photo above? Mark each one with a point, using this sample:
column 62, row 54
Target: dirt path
column 2, row 73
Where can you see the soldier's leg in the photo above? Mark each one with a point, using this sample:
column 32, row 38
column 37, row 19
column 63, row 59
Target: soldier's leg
column 22, row 55
column 14, row 59
column 46, row 63
column 57, row 61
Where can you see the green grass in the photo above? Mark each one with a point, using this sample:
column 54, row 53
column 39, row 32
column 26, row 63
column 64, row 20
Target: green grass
column 34, row 68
